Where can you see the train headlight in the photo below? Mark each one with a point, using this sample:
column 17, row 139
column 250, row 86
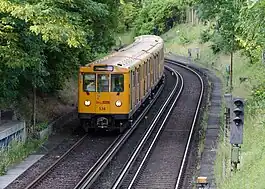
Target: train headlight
column 87, row 102
column 118, row 103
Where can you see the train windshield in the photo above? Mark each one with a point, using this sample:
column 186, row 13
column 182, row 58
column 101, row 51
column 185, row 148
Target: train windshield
column 117, row 83
column 89, row 82
column 103, row 83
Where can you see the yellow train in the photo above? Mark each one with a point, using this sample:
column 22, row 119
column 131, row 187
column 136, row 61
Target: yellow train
column 112, row 89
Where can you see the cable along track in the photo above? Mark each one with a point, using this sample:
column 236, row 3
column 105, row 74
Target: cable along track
column 159, row 165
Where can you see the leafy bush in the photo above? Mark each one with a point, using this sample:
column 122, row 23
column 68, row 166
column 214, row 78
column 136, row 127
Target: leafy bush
column 205, row 36
column 41, row 126
column 159, row 16
column 127, row 14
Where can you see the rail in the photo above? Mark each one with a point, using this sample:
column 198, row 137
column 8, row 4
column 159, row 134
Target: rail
column 92, row 175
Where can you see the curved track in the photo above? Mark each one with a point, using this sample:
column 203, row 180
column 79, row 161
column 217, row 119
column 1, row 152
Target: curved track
column 105, row 164
column 161, row 164
column 83, row 160
column 152, row 153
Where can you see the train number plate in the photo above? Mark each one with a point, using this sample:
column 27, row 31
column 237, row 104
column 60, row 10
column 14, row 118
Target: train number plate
column 102, row 108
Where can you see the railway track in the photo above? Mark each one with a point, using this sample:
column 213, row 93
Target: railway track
column 151, row 155
column 130, row 137
column 161, row 163
column 69, row 169
column 63, row 172
column 110, row 164
column 124, row 162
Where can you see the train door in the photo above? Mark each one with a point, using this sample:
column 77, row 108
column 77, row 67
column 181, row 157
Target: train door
column 159, row 69
column 137, row 85
column 148, row 74
column 103, row 93
column 155, row 64
column 140, row 82
column 151, row 71
column 162, row 61
column 145, row 77
column 132, row 89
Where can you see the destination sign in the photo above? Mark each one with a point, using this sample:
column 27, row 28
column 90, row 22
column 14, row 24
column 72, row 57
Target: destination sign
column 103, row 68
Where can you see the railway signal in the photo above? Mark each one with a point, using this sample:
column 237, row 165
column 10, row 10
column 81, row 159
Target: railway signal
column 236, row 135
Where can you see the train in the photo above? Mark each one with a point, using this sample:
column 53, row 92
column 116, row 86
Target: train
column 113, row 89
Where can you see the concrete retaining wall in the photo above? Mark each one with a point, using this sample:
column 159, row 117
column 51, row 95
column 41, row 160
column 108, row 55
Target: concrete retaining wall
column 17, row 130
column 12, row 130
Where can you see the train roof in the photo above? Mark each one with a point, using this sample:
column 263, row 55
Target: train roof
column 131, row 56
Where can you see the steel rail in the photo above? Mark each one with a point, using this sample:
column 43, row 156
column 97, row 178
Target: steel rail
column 92, row 175
column 177, row 185
column 50, row 168
column 156, row 136
column 133, row 157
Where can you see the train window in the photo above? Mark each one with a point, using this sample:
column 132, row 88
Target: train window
column 136, row 76
column 103, row 83
column 117, row 82
column 89, row 82
column 145, row 67
column 139, row 74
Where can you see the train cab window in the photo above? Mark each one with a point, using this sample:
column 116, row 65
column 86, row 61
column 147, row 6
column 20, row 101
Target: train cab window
column 103, row 83
column 117, row 82
column 89, row 82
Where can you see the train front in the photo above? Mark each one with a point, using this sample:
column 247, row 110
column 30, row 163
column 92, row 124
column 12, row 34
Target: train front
column 103, row 98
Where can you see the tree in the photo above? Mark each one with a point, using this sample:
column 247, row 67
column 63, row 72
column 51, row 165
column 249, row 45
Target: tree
column 226, row 15
column 251, row 29
column 42, row 42
column 159, row 15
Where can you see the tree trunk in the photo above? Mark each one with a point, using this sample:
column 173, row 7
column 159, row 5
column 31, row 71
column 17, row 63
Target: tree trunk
column 34, row 109
column 231, row 72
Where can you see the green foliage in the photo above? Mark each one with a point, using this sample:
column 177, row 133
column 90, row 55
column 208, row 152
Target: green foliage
column 251, row 29
column 239, row 25
column 16, row 152
column 127, row 14
column 159, row 15
column 41, row 126
column 226, row 15
column 205, row 36
column 42, row 43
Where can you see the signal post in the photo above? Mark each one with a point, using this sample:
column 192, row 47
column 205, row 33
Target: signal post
column 236, row 131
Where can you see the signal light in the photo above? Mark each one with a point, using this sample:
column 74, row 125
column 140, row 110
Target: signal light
column 236, row 135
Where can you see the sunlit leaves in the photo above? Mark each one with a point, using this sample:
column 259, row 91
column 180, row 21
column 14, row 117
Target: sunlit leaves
column 42, row 42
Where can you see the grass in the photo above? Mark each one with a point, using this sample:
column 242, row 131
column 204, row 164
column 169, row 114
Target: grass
column 16, row 152
column 251, row 173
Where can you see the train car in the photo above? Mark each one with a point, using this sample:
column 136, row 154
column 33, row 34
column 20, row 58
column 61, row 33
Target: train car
column 112, row 89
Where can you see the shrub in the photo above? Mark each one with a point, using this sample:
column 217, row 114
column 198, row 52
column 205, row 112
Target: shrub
column 157, row 17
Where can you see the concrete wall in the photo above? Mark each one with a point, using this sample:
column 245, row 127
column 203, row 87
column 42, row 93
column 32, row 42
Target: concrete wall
column 12, row 130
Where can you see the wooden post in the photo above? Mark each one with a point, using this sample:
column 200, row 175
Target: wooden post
column 34, row 108
column 231, row 72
